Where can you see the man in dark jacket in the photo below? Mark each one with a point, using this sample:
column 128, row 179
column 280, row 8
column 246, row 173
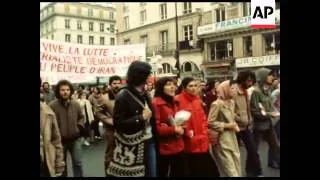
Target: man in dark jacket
column 263, row 112
column 135, row 151
column 48, row 94
column 71, row 125
column 244, row 121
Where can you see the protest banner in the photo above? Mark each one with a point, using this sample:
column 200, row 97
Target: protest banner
column 82, row 63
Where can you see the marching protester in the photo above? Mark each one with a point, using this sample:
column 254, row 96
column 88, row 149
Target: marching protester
column 52, row 163
column 71, row 125
column 104, row 112
column 87, row 113
column 170, row 137
column 96, row 99
column 150, row 89
column 196, row 142
column 264, row 113
column 221, row 119
column 245, row 122
column 211, row 95
column 48, row 94
column 135, row 152
column 272, row 162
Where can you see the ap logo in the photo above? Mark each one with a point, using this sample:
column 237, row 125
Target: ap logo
column 263, row 14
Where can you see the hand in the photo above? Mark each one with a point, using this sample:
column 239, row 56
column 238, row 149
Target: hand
column 179, row 130
column 274, row 114
column 146, row 114
column 236, row 128
column 230, row 125
column 58, row 174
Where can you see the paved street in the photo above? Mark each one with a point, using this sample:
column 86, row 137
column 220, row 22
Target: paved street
column 94, row 160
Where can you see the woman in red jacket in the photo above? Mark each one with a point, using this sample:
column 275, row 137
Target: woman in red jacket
column 170, row 137
column 196, row 142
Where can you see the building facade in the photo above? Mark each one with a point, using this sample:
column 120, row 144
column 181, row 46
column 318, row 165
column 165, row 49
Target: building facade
column 81, row 23
column 231, row 45
column 154, row 24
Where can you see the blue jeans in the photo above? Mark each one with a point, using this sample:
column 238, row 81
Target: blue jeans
column 151, row 168
column 75, row 148
column 271, row 156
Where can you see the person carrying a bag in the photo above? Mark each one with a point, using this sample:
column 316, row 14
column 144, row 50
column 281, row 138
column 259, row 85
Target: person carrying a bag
column 221, row 119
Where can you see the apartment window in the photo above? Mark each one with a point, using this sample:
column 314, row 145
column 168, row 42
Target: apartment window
column 221, row 50
column 127, row 41
column 79, row 25
column 245, row 9
column 91, row 42
column 52, row 8
column 126, row 22
column 188, row 32
column 101, row 40
column 52, row 27
column 144, row 39
column 67, row 9
column 90, row 12
column 247, row 44
column 47, row 37
column 41, row 29
column 111, row 15
column 79, row 39
column 143, row 3
column 52, row 36
column 187, row 67
column 164, row 40
column 163, row 11
column 101, row 27
column 112, row 41
column 277, row 5
column 166, row 68
column 47, row 27
column 90, row 26
column 272, row 43
column 67, row 37
column 143, row 16
column 220, row 14
column 112, row 28
column 67, row 23
column 101, row 14
column 187, row 7
column 79, row 11
column 125, row 9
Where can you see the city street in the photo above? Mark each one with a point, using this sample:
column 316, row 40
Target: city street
column 93, row 160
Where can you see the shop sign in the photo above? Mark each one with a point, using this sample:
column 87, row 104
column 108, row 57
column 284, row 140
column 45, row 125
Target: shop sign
column 271, row 60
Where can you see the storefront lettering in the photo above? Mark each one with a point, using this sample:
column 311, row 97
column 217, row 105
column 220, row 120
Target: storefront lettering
column 258, row 61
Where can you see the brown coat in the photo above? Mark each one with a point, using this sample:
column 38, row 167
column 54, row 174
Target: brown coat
column 103, row 108
column 242, row 110
column 69, row 118
column 51, row 140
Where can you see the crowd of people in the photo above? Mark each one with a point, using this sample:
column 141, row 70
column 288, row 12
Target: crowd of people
column 136, row 120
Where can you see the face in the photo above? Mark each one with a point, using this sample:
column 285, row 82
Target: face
column 46, row 86
column 202, row 86
column 149, row 87
column 269, row 79
column 95, row 92
column 83, row 96
column 169, row 88
column 276, row 83
column 216, row 85
column 115, row 85
column 248, row 83
column 233, row 90
column 65, row 92
column 192, row 88
column 80, row 88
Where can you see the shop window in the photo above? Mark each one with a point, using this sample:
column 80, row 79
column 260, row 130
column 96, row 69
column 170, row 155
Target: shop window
column 220, row 14
column 247, row 44
column 221, row 50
